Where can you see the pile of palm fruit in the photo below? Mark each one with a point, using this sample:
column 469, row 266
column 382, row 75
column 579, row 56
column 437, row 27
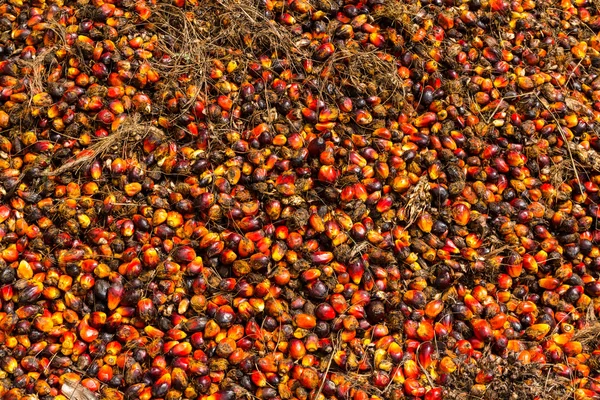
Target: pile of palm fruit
column 299, row 199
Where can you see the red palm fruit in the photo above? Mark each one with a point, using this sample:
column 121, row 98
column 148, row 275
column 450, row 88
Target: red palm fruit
column 10, row 254
column 562, row 370
column 281, row 232
column 357, row 159
column 146, row 309
column 86, row 332
column 91, row 384
column 356, row 270
column 425, row 331
column 410, row 329
column 477, row 344
column 482, row 329
column 385, row 340
column 350, row 323
column 263, row 244
column 381, row 379
column 322, row 257
column 360, row 298
column 127, row 333
column 338, row 302
column 415, row 298
column 43, row 324
column 345, row 104
column 425, row 119
column 312, row 343
column 464, row 347
column 297, row 350
column 328, row 173
column 573, row 348
column 347, row 193
column 316, row 222
column 324, row 51
column 425, row 222
column 484, row 377
column 537, row 331
column 246, row 247
column 165, row 346
column 4, row 213
column 150, row 258
column 435, row 394
column 344, row 221
column 225, row 316
column 473, row 241
column 434, row 308
column 563, row 272
column 411, row 369
column 447, row 365
column 211, row 330
column 225, row 102
column 524, row 357
column 184, row 254
column 309, row 378
column 359, row 231
column 360, row 394
column 258, row 378
column 461, row 214
column 294, row 241
column 412, row 387
column 273, row 209
column 514, row 270
column 226, row 347
column 526, row 307
column 153, row 332
column 585, row 394
column 114, row 295
column 360, row 192
column 395, row 352
column 382, row 170
column 356, row 311
column 473, row 304
column 105, row 373
column 282, row 276
column 268, row 364
column 549, row 283
column 179, row 379
column 425, row 354
column 305, row 321
column 181, row 349
column 384, row 204
column 444, row 326
column 162, row 385
column 278, row 251
column 530, row 264
column 9, row 364
column 498, row 321
column 325, row 312
column 239, row 354
column 176, row 334
column 504, row 281
column 309, row 115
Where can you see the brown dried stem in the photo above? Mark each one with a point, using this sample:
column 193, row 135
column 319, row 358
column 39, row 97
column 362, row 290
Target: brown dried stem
column 130, row 132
